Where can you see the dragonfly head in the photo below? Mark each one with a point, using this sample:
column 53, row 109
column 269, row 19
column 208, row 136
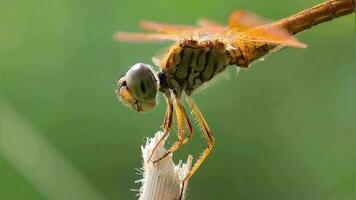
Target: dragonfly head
column 138, row 88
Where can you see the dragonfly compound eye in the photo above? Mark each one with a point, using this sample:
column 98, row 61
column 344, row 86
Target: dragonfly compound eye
column 138, row 88
column 141, row 82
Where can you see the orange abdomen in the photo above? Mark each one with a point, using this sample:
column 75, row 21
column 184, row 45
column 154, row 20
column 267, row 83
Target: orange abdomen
column 323, row 12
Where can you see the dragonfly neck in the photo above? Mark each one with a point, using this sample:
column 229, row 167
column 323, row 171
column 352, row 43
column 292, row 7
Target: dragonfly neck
column 162, row 82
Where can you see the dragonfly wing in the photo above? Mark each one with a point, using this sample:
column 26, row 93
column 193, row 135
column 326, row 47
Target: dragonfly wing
column 248, row 27
column 210, row 25
column 244, row 20
column 144, row 37
column 165, row 28
column 204, row 26
column 270, row 34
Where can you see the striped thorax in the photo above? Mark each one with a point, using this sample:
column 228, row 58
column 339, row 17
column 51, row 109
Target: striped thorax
column 189, row 64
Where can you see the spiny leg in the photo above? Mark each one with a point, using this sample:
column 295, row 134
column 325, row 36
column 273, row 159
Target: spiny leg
column 180, row 131
column 188, row 125
column 182, row 117
column 208, row 136
column 167, row 123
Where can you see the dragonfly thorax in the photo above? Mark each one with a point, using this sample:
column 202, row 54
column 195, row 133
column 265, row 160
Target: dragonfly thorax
column 188, row 65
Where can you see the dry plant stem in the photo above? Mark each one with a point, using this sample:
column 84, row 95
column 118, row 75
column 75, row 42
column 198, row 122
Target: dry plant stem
column 162, row 180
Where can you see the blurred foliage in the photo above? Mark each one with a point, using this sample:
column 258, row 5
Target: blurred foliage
column 285, row 129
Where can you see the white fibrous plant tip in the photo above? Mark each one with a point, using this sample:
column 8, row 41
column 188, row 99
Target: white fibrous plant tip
column 161, row 180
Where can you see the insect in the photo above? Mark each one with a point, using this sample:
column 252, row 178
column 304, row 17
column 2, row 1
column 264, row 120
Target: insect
column 201, row 52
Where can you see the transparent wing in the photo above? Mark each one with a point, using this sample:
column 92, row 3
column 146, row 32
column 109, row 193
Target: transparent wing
column 248, row 27
column 210, row 25
column 243, row 20
column 204, row 27
column 172, row 32
column 269, row 34
column 243, row 26
column 165, row 28
column 144, row 37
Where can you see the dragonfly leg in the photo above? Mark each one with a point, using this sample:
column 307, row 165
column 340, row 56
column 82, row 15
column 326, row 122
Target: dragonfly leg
column 208, row 136
column 182, row 118
column 188, row 125
column 167, row 123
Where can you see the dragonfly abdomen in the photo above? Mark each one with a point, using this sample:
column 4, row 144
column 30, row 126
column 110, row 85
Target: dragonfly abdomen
column 245, row 53
column 190, row 64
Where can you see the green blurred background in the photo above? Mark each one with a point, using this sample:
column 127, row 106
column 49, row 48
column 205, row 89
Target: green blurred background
column 285, row 129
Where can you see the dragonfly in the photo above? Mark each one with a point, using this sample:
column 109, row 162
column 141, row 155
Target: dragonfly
column 199, row 53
